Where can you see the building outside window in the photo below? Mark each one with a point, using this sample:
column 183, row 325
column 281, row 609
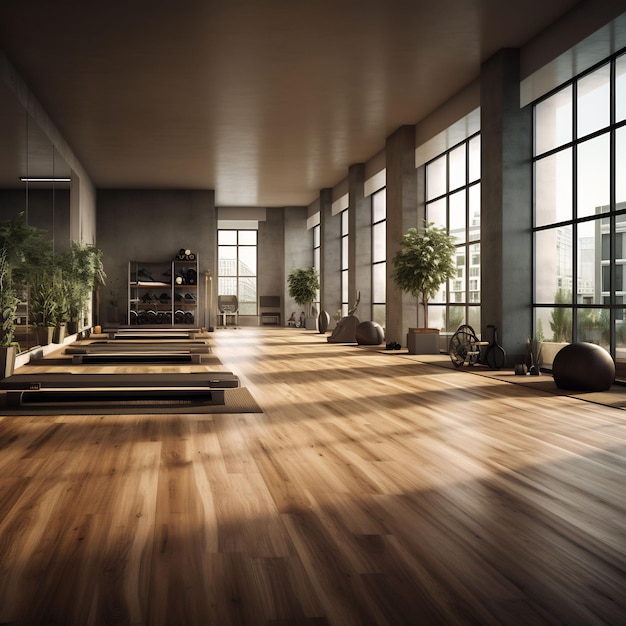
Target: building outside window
column 453, row 201
column 237, row 267
column 379, row 255
column 580, row 210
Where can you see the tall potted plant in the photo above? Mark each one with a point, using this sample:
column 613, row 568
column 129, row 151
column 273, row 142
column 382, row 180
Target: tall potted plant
column 8, row 306
column 42, row 305
column 303, row 287
column 83, row 271
column 19, row 243
column 423, row 263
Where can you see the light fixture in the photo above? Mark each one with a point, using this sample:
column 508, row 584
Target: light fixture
column 30, row 179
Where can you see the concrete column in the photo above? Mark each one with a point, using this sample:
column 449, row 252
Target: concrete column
column 506, row 205
column 360, row 243
column 402, row 206
column 330, row 257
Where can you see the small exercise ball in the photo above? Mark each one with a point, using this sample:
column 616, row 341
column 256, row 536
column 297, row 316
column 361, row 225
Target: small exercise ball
column 583, row 366
column 369, row 334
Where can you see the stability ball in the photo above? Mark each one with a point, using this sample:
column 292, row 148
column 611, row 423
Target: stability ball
column 369, row 334
column 583, row 366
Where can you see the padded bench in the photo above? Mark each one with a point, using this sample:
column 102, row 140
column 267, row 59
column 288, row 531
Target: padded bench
column 269, row 317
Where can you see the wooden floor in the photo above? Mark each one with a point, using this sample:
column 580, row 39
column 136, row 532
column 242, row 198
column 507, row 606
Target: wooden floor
column 372, row 490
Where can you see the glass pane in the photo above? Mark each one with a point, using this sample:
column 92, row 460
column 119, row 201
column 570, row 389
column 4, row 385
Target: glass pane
column 554, row 325
column 474, row 212
column 594, row 101
column 474, row 159
column 379, row 246
column 593, row 176
column 227, row 238
column 457, row 284
column 379, row 283
column 316, row 236
column 553, row 266
column 473, row 316
column 437, row 317
column 316, row 260
column 620, row 233
column 247, row 291
column 227, row 261
column 344, row 253
column 247, row 261
column 620, row 88
column 436, row 212
column 227, row 286
column 474, row 273
column 620, row 336
column 620, row 166
column 589, row 254
column 379, row 313
column 379, row 206
column 457, row 167
column 456, row 317
column 553, row 121
column 344, row 222
column 344, row 286
column 553, row 188
column 593, row 326
column 436, row 178
column 458, row 216
column 247, row 237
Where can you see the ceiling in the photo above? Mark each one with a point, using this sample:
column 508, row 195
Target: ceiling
column 265, row 101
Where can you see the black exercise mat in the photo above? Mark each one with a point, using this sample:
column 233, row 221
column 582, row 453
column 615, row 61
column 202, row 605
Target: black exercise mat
column 238, row 400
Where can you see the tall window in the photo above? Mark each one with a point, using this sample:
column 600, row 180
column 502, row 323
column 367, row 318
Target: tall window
column 453, row 201
column 344, row 262
column 379, row 254
column 317, row 244
column 580, row 209
column 237, row 267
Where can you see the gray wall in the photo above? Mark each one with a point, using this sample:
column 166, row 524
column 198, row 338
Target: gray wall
column 153, row 225
column 271, row 257
column 298, row 250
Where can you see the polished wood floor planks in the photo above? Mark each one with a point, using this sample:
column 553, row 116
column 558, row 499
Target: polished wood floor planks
column 373, row 489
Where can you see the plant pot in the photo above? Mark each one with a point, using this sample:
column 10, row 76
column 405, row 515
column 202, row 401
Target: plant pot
column 423, row 341
column 72, row 327
column 7, row 361
column 59, row 333
column 44, row 335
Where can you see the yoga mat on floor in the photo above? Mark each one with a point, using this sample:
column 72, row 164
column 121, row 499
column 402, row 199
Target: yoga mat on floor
column 118, row 358
column 238, row 400
column 48, row 380
column 140, row 346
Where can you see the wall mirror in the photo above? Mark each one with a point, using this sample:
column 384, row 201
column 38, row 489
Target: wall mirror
column 35, row 181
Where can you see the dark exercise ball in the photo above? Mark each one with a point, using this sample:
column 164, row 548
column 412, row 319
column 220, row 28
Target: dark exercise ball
column 583, row 366
column 369, row 334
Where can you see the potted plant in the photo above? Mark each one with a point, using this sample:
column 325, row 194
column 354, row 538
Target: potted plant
column 18, row 245
column 8, row 306
column 42, row 305
column 83, row 272
column 424, row 262
column 303, row 287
